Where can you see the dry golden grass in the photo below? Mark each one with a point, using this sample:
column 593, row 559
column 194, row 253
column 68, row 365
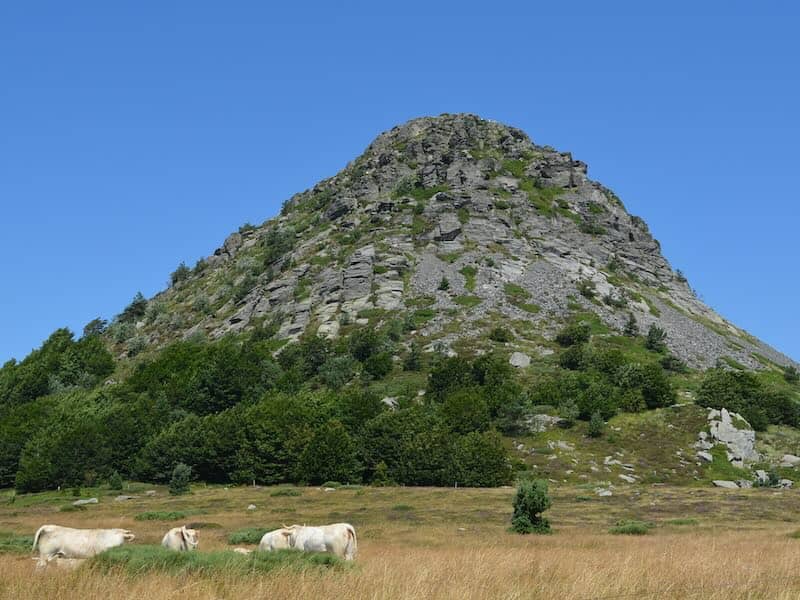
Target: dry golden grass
column 432, row 543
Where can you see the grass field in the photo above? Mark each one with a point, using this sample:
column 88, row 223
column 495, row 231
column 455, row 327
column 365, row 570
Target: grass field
column 435, row 543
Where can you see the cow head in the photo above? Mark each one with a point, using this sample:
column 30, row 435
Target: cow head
column 189, row 537
column 127, row 535
column 290, row 533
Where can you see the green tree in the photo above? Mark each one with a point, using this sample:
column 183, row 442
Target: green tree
column 465, row 411
column 135, row 310
column 481, row 460
column 656, row 339
column 330, row 456
column 530, row 501
column 181, row 477
column 631, row 326
column 597, row 425
column 575, row 333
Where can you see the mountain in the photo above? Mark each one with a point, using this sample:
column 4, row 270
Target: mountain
column 457, row 225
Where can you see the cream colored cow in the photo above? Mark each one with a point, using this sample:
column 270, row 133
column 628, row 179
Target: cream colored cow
column 339, row 539
column 180, row 539
column 54, row 541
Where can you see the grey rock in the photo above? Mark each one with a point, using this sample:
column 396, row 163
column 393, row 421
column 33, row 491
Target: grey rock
column 627, row 478
column 762, row 477
column 790, row 460
column 123, row 498
column 785, row 483
column 706, row 456
column 603, row 492
column 519, row 360
column 720, row 483
column 84, row 502
column 251, row 507
column 737, row 435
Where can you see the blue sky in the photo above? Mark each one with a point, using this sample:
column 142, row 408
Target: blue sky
column 138, row 135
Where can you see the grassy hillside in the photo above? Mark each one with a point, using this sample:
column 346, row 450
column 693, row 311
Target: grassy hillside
column 438, row 543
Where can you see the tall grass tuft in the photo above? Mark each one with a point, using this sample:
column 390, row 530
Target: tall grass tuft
column 139, row 560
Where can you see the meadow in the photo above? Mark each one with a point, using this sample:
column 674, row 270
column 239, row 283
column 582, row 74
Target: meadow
column 428, row 543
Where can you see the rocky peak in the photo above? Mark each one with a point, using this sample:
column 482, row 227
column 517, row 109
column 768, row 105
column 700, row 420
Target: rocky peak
column 452, row 224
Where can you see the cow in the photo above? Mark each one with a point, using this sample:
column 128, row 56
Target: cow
column 180, row 539
column 338, row 539
column 275, row 540
column 54, row 541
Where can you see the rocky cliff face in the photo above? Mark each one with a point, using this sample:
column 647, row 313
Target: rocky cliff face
column 457, row 225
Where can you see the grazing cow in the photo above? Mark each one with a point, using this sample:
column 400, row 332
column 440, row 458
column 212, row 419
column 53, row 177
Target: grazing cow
column 54, row 541
column 275, row 540
column 180, row 539
column 338, row 539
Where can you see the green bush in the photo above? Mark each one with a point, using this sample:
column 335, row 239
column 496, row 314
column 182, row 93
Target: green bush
column 444, row 284
column 575, row 333
column 15, row 544
column 115, row 480
column 248, row 535
column 286, row 492
column 631, row 528
column 656, row 339
column 181, row 477
column 530, row 501
column 597, row 425
column 501, row 335
column 631, row 326
column 160, row 516
column 790, row 374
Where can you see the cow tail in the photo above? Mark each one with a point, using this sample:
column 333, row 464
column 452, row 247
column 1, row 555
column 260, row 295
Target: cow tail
column 37, row 536
column 352, row 543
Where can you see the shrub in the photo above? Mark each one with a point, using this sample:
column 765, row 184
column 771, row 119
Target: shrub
column 115, row 481
column 379, row 365
column 380, row 478
column 413, row 360
column 656, row 338
column 181, row 476
column 587, row 288
column 290, row 492
column 501, row 335
column 670, row 362
column 790, row 374
column 575, row 333
column 15, row 544
column 573, row 358
column 180, row 274
column 160, row 515
column 568, row 412
column 247, row 535
column 631, row 528
column 444, row 284
column 631, row 326
column 596, row 425
column 530, row 501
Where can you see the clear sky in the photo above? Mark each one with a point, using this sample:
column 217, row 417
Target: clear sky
column 137, row 135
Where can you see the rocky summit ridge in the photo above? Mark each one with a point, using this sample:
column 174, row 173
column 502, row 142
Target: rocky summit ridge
column 457, row 225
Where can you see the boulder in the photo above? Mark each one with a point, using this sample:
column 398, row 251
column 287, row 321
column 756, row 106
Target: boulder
column 790, row 460
column 721, row 483
column 627, row 478
column 603, row 492
column 706, row 456
column 737, row 435
column 251, row 507
column 785, row 483
column 84, row 502
column 123, row 498
column 519, row 360
column 762, row 477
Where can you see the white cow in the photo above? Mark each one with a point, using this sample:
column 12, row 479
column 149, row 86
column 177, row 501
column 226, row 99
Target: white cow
column 339, row 539
column 180, row 539
column 275, row 540
column 54, row 541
